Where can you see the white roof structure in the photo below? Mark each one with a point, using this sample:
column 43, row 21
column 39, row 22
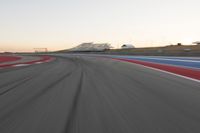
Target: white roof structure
column 197, row 42
column 91, row 47
column 127, row 46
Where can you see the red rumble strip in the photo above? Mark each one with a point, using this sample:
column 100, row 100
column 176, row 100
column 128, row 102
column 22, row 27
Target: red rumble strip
column 8, row 58
column 41, row 60
column 195, row 74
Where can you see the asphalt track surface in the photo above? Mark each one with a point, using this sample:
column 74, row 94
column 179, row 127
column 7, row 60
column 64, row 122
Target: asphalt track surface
column 80, row 94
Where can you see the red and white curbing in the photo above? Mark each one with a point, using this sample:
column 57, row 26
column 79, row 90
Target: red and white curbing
column 9, row 58
column 43, row 59
column 187, row 73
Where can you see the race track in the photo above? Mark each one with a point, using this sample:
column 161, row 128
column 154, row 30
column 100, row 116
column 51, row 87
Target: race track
column 82, row 94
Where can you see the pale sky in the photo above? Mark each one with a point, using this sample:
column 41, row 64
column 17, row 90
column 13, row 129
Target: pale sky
column 61, row 24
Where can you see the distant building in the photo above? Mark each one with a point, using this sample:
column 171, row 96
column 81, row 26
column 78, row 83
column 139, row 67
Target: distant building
column 197, row 42
column 40, row 50
column 91, row 47
column 179, row 44
column 127, row 46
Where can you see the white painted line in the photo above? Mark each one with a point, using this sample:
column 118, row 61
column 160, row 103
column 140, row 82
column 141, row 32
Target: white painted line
column 19, row 65
column 38, row 62
column 180, row 60
column 196, row 80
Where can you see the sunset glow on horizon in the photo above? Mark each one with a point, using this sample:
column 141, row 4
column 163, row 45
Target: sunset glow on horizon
column 63, row 24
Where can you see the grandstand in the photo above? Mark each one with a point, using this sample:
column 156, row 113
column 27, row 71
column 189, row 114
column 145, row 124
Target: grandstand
column 40, row 50
column 89, row 47
column 197, row 42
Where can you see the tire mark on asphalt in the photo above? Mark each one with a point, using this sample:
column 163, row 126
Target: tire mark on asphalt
column 11, row 82
column 20, row 82
column 27, row 102
column 74, row 108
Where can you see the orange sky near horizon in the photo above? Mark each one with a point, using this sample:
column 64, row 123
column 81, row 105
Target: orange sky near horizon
column 63, row 24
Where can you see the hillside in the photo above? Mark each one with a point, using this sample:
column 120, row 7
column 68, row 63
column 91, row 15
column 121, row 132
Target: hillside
column 171, row 50
column 184, row 50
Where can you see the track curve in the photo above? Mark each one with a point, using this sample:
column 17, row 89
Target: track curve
column 96, row 95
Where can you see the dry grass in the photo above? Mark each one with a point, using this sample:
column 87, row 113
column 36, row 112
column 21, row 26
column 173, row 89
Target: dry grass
column 166, row 48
